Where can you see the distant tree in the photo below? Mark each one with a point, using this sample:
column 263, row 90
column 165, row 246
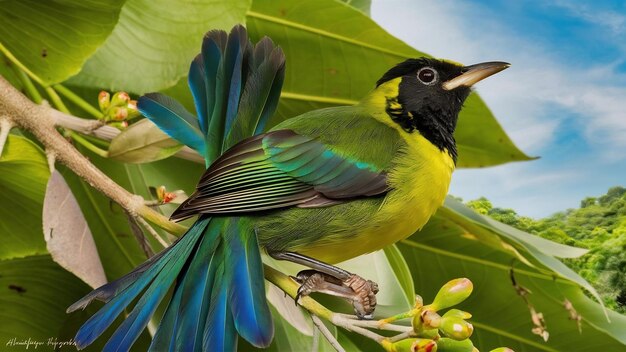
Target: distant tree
column 588, row 202
column 598, row 225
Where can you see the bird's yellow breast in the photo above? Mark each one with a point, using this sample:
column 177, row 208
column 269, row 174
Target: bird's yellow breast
column 419, row 182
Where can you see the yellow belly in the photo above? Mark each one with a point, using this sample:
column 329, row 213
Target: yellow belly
column 419, row 181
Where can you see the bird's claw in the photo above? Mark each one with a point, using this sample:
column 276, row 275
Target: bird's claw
column 359, row 291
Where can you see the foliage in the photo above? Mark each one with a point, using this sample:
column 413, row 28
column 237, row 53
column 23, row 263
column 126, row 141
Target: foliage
column 599, row 224
column 334, row 53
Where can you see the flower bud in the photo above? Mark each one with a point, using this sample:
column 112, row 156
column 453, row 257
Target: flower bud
column 120, row 99
column 118, row 113
column 502, row 349
column 430, row 319
column 456, row 328
column 452, row 293
column 414, row 345
column 449, row 345
column 132, row 110
column 104, row 101
column 160, row 193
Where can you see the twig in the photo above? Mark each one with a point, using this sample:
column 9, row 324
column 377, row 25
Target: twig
column 374, row 324
column 139, row 235
column 316, row 340
column 97, row 129
column 39, row 120
column 347, row 324
column 87, row 144
column 402, row 336
column 152, row 231
column 327, row 334
column 78, row 101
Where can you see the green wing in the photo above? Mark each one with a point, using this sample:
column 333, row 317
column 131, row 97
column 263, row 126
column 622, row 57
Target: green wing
column 283, row 168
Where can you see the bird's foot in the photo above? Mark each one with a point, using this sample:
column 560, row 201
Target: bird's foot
column 359, row 291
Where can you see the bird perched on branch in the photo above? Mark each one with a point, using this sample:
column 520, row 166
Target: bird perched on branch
column 317, row 189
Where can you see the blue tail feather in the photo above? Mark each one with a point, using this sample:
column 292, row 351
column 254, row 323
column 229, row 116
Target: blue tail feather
column 197, row 291
column 219, row 331
column 212, row 47
column 244, row 275
column 164, row 338
column 100, row 321
column 237, row 49
column 173, row 119
column 197, row 85
column 134, row 324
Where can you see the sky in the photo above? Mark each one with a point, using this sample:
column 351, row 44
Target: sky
column 563, row 99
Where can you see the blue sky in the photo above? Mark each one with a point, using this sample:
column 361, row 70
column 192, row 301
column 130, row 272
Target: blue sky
column 563, row 99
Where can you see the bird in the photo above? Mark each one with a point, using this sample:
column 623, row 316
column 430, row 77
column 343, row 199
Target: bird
column 316, row 189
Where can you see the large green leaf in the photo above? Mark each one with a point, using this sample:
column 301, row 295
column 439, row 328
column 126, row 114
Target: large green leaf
column 23, row 177
column 34, row 294
column 361, row 5
column 443, row 250
column 335, row 54
column 154, row 42
column 54, row 38
column 34, row 290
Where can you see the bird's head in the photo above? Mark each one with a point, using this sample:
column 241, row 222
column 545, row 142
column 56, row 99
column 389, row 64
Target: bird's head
column 426, row 95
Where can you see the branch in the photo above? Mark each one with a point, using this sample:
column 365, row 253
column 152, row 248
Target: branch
column 40, row 121
column 327, row 334
column 97, row 129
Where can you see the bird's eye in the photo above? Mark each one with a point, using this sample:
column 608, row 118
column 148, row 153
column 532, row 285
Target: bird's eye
column 427, row 75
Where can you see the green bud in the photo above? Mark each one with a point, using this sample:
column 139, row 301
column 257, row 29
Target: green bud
column 452, row 293
column 449, row 345
column 414, row 345
column 457, row 313
column 502, row 349
column 432, row 334
column 120, row 99
column 104, row 101
column 456, row 328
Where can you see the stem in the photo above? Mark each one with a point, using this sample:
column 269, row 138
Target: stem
column 402, row 336
column 80, row 102
column 87, row 144
column 327, row 334
column 29, row 86
column 56, row 100
column 21, row 66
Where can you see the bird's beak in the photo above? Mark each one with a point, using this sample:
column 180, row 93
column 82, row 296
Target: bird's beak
column 475, row 73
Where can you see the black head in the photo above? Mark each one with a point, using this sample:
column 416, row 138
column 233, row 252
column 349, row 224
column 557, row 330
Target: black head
column 430, row 96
